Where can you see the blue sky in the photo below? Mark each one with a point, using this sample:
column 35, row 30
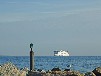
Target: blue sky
column 72, row 25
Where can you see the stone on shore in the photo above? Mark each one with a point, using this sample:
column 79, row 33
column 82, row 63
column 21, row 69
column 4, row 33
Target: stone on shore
column 9, row 69
column 97, row 71
column 56, row 69
column 75, row 73
column 66, row 72
column 89, row 74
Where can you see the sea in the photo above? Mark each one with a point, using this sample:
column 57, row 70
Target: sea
column 78, row 63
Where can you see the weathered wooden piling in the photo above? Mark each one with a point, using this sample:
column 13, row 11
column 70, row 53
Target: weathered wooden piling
column 31, row 58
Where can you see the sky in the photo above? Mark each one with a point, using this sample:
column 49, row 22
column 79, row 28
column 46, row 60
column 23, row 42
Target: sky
column 73, row 25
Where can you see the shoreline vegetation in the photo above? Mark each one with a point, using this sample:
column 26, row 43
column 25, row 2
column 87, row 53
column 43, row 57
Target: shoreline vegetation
column 9, row 69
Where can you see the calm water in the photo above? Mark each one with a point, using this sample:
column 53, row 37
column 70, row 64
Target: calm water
column 80, row 63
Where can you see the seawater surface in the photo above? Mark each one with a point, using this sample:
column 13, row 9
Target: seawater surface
column 80, row 63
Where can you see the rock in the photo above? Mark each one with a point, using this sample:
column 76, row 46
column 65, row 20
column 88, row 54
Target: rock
column 97, row 71
column 89, row 74
column 55, row 69
column 39, row 70
column 32, row 73
column 43, row 71
column 67, row 70
column 8, row 69
column 75, row 73
column 49, row 71
column 25, row 70
column 22, row 73
column 0, row 66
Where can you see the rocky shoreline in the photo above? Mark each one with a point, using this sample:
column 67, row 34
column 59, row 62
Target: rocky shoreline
column 9, row 69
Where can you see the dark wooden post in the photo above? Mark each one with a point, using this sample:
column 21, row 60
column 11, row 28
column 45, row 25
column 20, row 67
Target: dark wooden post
column 31, row 58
